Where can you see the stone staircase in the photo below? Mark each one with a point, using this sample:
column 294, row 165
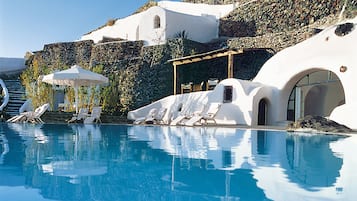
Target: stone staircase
column 17, row 96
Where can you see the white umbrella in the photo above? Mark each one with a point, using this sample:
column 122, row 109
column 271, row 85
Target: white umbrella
column 75, row 77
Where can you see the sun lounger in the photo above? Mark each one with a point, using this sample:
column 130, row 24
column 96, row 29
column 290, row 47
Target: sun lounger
column 154, row 116
column 157, row 117
column 178, row 120
column 35, row 117
column 193, row 120
column 82, row 114
column 210, row 114
column 94, row 116
column 31, row 116
column 207, row 115
column 150, row 115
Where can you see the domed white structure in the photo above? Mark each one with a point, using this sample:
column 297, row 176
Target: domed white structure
column 315, row 77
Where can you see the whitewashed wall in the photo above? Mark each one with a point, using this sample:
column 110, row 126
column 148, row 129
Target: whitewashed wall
column 324, row 51
column 241, row 111
column 123, row 28
column 200, row 21
column 147, row 32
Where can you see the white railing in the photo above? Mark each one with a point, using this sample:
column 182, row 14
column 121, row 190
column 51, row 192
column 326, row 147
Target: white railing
column 6, row 95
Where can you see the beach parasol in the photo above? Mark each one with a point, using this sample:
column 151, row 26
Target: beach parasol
column 75, row 77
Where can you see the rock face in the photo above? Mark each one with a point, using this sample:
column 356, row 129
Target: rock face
column 317, row 124
column 280, row 24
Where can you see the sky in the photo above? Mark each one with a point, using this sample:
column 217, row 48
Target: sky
column 27, row 25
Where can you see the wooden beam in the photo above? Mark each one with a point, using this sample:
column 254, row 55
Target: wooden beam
column 230, row 66
column 206, row 56
column 196, row 60
column 202, row 57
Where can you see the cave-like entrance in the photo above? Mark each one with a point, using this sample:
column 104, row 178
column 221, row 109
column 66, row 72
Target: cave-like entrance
column 316, row 93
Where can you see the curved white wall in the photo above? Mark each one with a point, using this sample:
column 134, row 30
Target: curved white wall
column 241, row 111
column 325, row 51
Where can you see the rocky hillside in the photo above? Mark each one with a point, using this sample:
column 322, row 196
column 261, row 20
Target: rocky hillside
column 270, row 16
column 146, row 6
column 215, row 1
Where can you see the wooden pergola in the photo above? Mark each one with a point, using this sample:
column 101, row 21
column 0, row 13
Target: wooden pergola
column 225, row 52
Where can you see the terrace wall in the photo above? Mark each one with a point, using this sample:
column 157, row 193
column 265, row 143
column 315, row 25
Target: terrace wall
column 56, row 55
column 138, row 75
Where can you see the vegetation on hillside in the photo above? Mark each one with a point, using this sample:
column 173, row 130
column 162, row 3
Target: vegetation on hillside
column 146, row 6
column 41, row 93
column 35, row 90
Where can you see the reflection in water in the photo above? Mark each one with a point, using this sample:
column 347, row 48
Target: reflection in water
column 4, row 148
column 311, row 161
column 108, row 162
column 84, row 159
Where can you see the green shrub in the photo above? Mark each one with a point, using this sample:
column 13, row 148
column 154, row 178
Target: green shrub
column 38, row 92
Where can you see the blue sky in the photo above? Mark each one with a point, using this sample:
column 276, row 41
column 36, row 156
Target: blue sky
column 27, row 25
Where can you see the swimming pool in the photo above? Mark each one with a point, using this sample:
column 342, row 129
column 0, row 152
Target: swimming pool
column 119, row 162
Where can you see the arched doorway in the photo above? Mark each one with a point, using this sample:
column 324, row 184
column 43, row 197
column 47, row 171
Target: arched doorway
column 262, row 112
column 317, row 94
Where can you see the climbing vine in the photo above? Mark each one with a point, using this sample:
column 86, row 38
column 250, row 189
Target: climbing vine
column 41, row 93
column 38, row 92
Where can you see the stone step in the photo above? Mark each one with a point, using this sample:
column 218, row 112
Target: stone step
column 12, row 96
column 17, row 96
column 16, row 92
column 16, row 101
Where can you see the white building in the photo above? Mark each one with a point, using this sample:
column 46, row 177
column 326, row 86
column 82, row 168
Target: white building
column 157, row 24
column 314, row 77
column 11, row 66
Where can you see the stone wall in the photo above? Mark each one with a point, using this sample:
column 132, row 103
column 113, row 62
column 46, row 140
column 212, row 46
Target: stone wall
column 58, row 54
column 257, row 18
column 275, row 41
column 112, row 53
column 138, row 75
column 155, row 77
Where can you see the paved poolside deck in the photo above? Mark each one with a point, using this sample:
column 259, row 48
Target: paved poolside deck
column 63, row 117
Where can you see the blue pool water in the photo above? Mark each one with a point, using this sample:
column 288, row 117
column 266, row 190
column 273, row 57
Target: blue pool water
column 118, row 162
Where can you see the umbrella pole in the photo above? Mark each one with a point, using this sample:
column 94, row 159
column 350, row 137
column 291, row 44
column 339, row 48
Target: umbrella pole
column 76, row 98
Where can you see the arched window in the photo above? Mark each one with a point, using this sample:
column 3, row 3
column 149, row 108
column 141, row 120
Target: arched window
column 316, row 94
column 137, row 33
column 262, row 112
column 157, row 22
column 228, row 94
